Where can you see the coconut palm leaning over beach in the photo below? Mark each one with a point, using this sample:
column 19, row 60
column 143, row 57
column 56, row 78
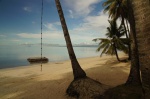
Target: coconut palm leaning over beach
column 78, row 72
column 81, row 81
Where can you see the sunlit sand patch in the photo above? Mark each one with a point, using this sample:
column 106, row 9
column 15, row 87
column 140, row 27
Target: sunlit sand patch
column 11, row 95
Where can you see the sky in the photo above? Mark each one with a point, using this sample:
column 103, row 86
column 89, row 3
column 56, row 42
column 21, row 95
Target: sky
column 20, row 21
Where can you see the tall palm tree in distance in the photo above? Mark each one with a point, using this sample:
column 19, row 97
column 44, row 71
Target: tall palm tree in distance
column 118, row 9
column 113, row 42
column 78, row 72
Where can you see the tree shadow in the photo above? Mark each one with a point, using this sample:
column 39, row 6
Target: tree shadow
column 32, row 88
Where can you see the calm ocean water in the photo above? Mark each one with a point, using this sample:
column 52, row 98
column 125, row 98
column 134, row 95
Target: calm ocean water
column 13, row 56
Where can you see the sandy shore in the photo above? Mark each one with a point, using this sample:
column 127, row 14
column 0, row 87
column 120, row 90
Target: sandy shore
column 29, row 82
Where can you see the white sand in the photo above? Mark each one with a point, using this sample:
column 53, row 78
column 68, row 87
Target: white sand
column 29, row 82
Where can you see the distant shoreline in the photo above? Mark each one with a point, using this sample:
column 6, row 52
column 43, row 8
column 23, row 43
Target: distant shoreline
column 61, row 61
column 57, row 45
column 13, row 56
column 50, row 62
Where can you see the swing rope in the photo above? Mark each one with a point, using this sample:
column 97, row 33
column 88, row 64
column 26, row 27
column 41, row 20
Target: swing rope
column 41, row 31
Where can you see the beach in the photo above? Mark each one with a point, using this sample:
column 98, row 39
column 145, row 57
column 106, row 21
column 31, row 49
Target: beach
column 29, row 82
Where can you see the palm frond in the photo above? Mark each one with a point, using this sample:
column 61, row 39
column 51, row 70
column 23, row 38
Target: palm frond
column 104, row 50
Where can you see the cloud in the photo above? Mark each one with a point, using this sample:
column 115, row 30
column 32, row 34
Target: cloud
column 93, row 25
column 57, row 23
column 71, row 13
column 2, row 35
column 80, row 7
column 51, row 32
column 15, row 40
column 97, row 21
column 46, row 34
column 33, row 22
column 28, row 9
column 52, row 26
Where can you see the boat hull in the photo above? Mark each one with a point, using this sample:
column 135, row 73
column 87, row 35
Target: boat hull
column 38, row 60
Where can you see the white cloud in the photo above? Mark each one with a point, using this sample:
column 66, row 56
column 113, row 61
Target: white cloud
column 81, row 7
column 28, row 9
column 33, row 22
column 46, row 34
column 57, row 23
column 52, row 26
column 93, row 25
column 71, row 13
column 97, row 21
column 51, row 32
column 15, row 40
column 2, row 35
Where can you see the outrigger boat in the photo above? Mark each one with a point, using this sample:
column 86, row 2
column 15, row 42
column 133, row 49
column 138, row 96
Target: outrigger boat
column 38, row 60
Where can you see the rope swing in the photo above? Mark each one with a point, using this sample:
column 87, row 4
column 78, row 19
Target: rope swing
column 39, row 59
column 41, row 31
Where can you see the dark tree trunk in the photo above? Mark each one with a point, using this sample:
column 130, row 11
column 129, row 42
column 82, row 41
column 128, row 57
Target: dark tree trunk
column 129, row 45
column 78, row 72
column 123, row 23
column 116, row 53
column 127, row 27
column 129, row 48
column 127, row 36
column 141, row 13
column 134, row 76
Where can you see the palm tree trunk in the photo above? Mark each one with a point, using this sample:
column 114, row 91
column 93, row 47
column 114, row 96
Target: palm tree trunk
column 127, row 27
column 134, row 76
column 129, row 46
column 78, row 72
column 123, row 23
column 116, row 53
column 141, row 12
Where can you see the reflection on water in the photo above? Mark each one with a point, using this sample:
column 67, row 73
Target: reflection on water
column 11, row 56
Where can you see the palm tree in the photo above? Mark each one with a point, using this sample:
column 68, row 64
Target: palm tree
column 141, row 16
column 113, row 42
column 134, row 75
column 118, row 9
column 78, row 72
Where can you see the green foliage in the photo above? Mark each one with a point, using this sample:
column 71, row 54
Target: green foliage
column 115, row 41
column 106, row 46
column 116, row 8
column 113, row 37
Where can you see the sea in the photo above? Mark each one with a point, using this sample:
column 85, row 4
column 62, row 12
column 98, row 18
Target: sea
column 16, row 55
